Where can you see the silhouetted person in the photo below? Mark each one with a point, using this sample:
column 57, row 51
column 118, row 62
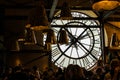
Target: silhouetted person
column 19, row 75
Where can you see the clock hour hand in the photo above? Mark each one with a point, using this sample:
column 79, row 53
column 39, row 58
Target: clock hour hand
column 83, row 36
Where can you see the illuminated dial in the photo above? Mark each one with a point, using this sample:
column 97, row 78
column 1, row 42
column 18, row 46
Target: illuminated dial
column 84, row 47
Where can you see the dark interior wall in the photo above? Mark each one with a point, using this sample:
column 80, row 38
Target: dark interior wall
column 2, row 18
column 27, row 60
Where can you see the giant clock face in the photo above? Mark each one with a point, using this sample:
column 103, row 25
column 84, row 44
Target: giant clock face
column 84, row 47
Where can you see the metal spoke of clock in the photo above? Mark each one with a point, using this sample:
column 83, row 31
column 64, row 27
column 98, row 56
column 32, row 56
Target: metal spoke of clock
column 87, row 61
column 78, row 57
column 74, row 61
column 54, row 21
column 77, row 52
column 79, row 37
column 82, row 50
column 68, row 47
column 77, row 29
column 62, row 22
column 70, row 30
column 76, row 39
column 81, row 43
column 70, row 34
column 80, row 62
column 71, row 52
column 69, row 61
column 83, row 62
column 70, row 55
column 85, row 35
column 62, row 62
column 72, row 37
column 58, row 58
column 63, row 52
column 92, row 57
column 76, row 32
column 86, row 44
column 87, row 50
column 70, row 43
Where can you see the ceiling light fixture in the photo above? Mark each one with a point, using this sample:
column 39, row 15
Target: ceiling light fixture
column 105, row 5
column 65, row 12
column 38, row 18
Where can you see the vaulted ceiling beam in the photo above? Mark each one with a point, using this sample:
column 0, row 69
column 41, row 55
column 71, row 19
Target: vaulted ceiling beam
column 52, row 10
column 108, row 13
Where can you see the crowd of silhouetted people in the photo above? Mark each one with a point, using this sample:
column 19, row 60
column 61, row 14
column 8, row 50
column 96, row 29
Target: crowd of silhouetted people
column 71, row 72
